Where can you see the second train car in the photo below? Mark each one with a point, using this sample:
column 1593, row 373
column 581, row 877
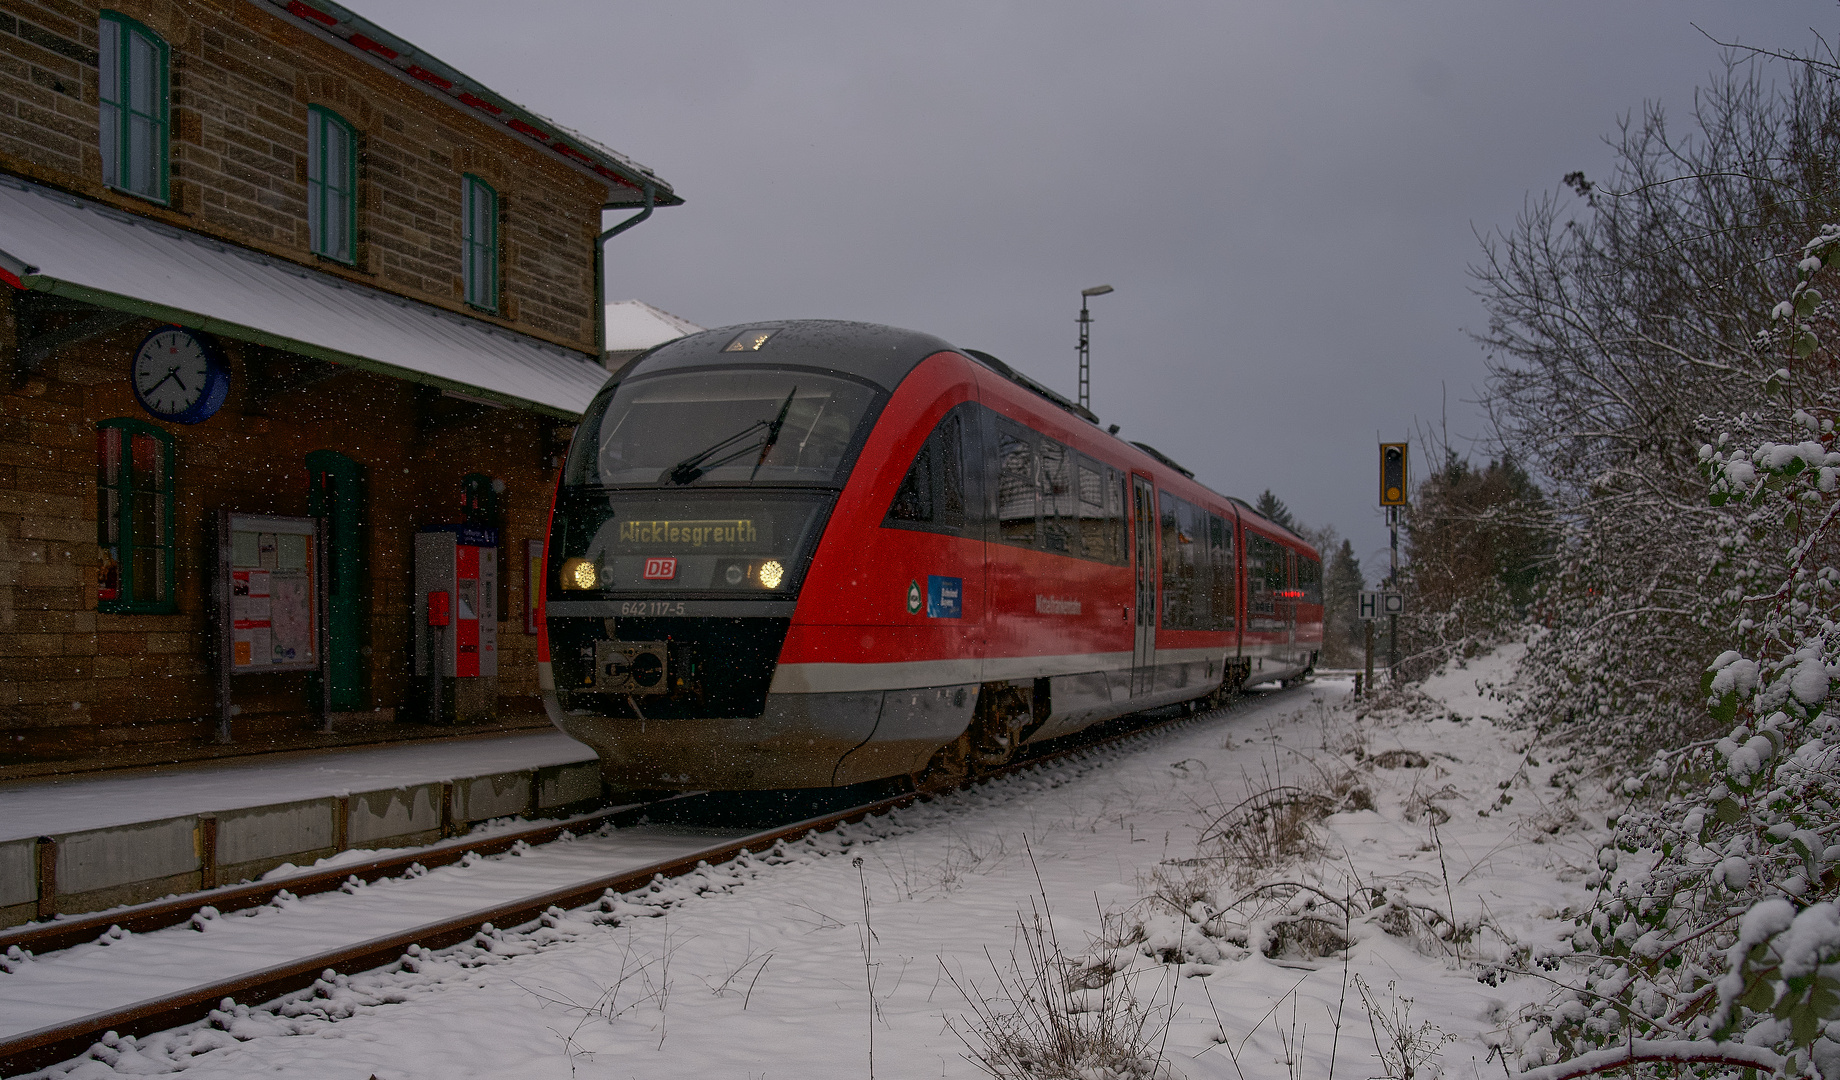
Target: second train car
column 815, row 553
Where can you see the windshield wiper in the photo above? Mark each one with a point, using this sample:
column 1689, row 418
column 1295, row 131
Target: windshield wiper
column 772, row 434
column 689, row 470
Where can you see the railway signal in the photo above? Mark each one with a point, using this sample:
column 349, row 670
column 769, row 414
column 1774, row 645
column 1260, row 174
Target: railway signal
column 1393, row 474
column 1395, row 493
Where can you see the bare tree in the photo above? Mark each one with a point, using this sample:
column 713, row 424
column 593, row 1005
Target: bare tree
column 1628, row 327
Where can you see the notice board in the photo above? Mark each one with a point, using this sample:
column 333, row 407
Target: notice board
column 273, row 586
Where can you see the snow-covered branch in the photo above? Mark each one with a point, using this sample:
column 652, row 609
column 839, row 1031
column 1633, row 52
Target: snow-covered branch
column 1670, row 1051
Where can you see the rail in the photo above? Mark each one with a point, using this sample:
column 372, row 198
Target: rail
column 60, row 1042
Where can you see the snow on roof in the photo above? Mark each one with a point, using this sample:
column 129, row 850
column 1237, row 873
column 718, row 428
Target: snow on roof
column 73, row 247
column 635, row 324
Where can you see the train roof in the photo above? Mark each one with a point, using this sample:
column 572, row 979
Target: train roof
column 884, row 355
column 881, row 354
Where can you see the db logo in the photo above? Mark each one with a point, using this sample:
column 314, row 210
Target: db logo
column 660, row 569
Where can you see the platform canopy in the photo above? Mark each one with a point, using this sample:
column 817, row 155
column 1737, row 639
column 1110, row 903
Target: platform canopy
column 77, row 248
column 634, row 326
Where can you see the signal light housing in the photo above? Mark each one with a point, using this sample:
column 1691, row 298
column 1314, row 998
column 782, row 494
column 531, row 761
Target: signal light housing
column 1393, row 489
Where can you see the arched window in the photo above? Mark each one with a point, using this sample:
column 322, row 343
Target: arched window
column 133, row 95
column 134, row 517
column 332, row 185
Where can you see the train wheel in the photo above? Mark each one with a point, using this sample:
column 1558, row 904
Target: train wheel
column 996, row 729
column 949, row 768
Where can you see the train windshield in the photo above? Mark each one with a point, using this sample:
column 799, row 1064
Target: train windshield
column 703, row 428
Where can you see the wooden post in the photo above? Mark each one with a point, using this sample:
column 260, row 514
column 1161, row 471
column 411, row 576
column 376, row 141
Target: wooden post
column 47, row 877
column 207, row 851
column 322, row 616
column 1370, row 655
column 341, row 823
column 223, row 626
column 447, row 808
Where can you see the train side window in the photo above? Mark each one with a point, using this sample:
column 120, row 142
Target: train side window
column 1095, row 527
column 1187, row 566
column 1017, row 489
column 1050, row 496
column 913, row 500
column 1309, row 579
column 1222, row 593
column 1101, row 512
column 951, row 440
column 932, row 494
column 1058, row 501
column 1117, row 497
column 1264, row 575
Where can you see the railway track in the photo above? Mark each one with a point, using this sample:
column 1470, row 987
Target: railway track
column 54, row 1043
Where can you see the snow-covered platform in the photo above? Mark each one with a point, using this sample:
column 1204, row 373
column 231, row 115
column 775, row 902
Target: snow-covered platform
column 45, row 805
column 125, row 838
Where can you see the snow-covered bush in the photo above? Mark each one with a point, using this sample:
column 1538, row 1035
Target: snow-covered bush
column 1623, row 335
column 1716, row 919
column 1056, row 1016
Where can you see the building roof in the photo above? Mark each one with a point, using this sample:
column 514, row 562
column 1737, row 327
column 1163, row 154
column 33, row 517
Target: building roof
column 625, row 179
column 634, row 325
column 74, row 247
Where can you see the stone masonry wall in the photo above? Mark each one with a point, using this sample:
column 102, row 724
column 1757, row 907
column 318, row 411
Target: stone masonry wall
column 242, row 80
column 77, row 683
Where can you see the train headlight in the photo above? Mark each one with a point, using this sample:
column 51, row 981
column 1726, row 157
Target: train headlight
column 772, row 573
column 578, row 574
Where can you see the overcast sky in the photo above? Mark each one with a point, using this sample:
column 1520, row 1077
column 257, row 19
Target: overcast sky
column 1284, row 194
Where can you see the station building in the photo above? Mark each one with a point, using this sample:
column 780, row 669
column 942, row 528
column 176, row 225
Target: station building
column 281, row 294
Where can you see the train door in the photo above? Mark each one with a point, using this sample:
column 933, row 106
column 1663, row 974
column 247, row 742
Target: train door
column 1143, row 652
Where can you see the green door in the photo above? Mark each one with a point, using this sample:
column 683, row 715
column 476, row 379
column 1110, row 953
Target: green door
column 335, row 493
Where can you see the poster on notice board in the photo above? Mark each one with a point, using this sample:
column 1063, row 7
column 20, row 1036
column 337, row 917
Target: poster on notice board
column 273, row 609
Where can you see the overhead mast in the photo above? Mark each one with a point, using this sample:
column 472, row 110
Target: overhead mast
column 1085, row 321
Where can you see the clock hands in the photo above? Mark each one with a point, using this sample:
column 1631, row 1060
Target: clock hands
column 171, row 373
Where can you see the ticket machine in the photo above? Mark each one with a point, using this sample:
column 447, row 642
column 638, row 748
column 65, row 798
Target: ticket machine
column 456, row 624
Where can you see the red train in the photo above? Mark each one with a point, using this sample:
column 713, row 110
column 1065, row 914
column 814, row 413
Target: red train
column 813, row 553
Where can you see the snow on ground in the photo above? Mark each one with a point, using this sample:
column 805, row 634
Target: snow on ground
column 40, row 806
column 771, row 966
column 120, row 968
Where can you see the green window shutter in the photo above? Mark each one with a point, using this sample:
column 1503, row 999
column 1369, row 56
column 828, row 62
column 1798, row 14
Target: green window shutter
column 332, row 185
column 134, row 97
column 479, row 241
column 134, row 517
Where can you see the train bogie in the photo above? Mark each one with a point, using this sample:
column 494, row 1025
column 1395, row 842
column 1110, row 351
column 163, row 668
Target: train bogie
column 811, row 554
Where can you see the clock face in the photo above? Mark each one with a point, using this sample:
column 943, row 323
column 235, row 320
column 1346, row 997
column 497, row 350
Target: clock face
column 177, row 377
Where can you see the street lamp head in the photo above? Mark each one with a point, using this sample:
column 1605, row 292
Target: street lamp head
column 1096, row 290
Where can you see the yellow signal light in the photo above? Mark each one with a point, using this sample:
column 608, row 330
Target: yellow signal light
column 1393, row 479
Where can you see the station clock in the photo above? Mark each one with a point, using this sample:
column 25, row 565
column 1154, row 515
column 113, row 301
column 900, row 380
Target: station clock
column 180, row 375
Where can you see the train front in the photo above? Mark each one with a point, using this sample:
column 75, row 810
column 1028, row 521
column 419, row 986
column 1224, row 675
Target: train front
column 691, row 504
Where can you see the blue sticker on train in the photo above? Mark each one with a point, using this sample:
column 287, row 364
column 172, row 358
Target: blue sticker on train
column 944, row 597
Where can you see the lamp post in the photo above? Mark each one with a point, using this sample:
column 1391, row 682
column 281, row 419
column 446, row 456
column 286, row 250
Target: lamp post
column 1085, row 346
